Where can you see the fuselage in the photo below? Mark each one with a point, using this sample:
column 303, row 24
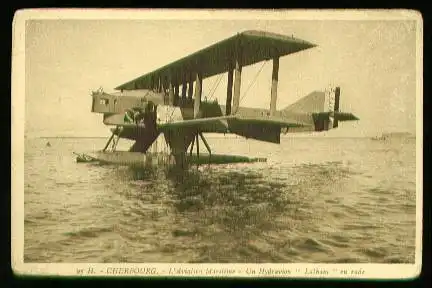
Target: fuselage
column 114, row 106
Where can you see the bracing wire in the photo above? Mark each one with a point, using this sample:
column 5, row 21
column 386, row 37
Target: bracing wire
column 218, row 81
column 213, row 86
column 253, row 81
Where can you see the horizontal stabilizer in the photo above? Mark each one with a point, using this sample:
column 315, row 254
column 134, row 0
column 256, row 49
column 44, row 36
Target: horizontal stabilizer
column 339, row 116
column 343, row 116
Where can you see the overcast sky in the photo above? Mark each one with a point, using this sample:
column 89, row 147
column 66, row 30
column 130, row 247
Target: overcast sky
column 374, row 63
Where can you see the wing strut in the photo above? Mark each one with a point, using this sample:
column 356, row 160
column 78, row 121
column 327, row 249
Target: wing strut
column 274, row 86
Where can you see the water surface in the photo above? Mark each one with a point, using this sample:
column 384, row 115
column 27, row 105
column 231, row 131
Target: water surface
column 331, row 200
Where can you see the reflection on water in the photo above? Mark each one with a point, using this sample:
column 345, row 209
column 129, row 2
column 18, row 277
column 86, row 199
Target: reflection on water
column 328, row 210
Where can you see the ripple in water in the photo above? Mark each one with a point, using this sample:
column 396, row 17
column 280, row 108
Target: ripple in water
column 307, row 208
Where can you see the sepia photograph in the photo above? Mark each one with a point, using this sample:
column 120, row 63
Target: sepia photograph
column 201, row 143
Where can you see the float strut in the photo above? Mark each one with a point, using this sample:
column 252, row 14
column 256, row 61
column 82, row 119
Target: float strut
column 109, row 141
column 206, row 144
column 197, row 142
column 192, row 146
column 116, row 141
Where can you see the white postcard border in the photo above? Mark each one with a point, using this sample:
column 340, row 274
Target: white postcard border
column 298, row 270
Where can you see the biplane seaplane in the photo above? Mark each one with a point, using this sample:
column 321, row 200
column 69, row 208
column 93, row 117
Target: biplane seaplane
column 169, row 101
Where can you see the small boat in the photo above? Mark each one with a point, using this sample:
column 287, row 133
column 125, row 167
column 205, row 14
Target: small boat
column 381, row 138
column 83, row 158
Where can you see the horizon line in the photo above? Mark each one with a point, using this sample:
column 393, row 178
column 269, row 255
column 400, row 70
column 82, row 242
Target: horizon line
column 229, row 136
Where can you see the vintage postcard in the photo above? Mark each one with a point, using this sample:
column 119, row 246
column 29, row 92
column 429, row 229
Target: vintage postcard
column 217, row 143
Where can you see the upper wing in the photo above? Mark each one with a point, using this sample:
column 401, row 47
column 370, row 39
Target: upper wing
column 254, row 47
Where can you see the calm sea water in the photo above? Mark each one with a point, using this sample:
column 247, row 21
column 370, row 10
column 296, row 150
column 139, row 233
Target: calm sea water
column 315, row 200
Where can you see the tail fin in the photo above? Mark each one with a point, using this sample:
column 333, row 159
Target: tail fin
column 320, row 109
column 311, row 103
column 303, row 109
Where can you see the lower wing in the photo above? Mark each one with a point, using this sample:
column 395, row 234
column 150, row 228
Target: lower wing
column 266, row 129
